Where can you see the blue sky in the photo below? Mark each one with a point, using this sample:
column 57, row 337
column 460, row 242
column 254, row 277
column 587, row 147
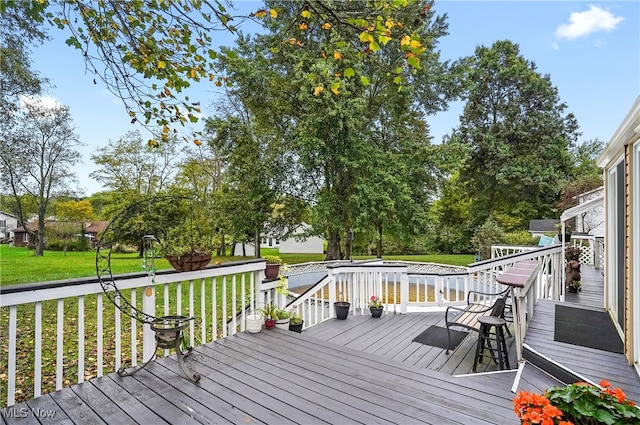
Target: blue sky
column 591, row 51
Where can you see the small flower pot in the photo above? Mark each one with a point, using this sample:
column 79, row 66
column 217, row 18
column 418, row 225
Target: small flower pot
column 272, row 270
column 254, row 323
column 342, row 309
column 376, row 311
column 282, row 323
column 269, row 323
column 296, row 327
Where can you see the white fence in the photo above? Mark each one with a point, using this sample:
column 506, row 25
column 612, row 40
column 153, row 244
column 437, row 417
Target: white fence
column 66, row 328
column 69, row 333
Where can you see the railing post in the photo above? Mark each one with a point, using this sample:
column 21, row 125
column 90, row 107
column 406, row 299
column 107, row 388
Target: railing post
column 332, row 291
column 404, row 291
column 148, row 336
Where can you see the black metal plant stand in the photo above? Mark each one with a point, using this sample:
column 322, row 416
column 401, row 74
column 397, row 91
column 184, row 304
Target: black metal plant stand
column 168, row 329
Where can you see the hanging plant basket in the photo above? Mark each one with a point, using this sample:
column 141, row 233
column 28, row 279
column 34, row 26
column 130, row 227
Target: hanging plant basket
column 190, row 261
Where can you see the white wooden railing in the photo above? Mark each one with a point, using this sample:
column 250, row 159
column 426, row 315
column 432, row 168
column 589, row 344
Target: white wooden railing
column 51, row 317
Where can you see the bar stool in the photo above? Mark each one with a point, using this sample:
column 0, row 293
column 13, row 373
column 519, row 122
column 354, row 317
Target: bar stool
column 498, row 354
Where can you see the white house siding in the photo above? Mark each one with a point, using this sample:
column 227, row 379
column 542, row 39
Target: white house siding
column 7, row 223
column 621, row 162
column 312, row 245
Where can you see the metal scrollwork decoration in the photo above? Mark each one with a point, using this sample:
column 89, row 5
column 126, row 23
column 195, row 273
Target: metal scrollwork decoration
column 145, row 223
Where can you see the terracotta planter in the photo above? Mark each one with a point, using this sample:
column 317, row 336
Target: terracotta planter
column 342, row 309
column 272, row 270
column 376, row 311
column 189, row 262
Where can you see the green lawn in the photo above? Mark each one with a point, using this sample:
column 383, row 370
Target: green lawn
column 19, row 265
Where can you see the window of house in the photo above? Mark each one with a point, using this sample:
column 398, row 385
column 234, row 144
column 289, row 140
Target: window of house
column 3, row 223
column 25, row 237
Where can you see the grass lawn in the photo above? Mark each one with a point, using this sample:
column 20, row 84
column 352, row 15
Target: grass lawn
column 19, row 265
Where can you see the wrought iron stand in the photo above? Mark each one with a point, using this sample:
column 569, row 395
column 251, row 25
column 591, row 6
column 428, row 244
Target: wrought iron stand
column 168, row 331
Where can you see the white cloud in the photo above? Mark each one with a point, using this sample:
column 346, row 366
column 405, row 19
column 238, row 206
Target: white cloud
column 48, row 102
column 593, row 20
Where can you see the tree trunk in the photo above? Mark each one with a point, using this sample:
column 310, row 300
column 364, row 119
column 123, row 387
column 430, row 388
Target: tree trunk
column 379, row 243
column 333, row 246
column 256, row 243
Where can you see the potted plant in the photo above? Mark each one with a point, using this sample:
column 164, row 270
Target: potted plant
column 579, row 403
column 341, row 308
column 254, row 322
column 269, row 313
column 572, row 253
column 186, row 251
column 273, row 266
column 375, row 306
column 281, row 317
column 295, row 322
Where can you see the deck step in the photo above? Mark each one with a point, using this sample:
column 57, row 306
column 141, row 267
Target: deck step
column 551, row 367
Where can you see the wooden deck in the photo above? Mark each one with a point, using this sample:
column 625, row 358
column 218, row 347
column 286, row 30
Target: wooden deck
column 277, row 377
column 360, row 370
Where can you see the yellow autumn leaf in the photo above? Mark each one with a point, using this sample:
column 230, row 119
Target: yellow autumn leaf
column 132, row 114
column 162, row 65
column 261, row 13
column 405, row 41
column 318, row 90
column 384, row 39
column 366, row 37
column 165, row 130
column 197, row 142
column 335, row 87
column 415, row 44
column 274, row 15
column 306, row 14
column 337, row 55
column 389, row 24
column 326, row 26
column 152, row 143
column 292, row 41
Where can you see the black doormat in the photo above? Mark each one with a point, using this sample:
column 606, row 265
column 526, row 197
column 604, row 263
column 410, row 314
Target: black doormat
column 586, row 328
column 437, row 337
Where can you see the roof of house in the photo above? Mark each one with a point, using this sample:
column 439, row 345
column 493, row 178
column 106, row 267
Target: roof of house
column 8, row 214
column 543, row 225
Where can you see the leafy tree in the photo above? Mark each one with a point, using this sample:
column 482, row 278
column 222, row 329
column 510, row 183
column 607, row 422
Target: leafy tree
column 358, row 148
column 517, row 136
column 490, row 233
column 78, row 212
column 585, row 175
column 37, row 158
column 147, row 53
column 133, row 170
column 19, row 23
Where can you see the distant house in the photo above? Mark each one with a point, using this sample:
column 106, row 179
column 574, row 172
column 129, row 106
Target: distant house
column 296, row 244
column 540, row 227
column 22, row 238
column 8, row 222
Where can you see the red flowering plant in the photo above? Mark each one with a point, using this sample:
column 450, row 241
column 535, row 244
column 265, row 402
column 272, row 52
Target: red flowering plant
column 579, row 403
column 375, row 302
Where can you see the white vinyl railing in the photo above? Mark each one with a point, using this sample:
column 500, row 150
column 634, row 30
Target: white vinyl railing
column 69, row 333
column 83, row 334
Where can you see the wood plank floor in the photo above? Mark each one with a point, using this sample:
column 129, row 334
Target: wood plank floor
column 277, row 377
